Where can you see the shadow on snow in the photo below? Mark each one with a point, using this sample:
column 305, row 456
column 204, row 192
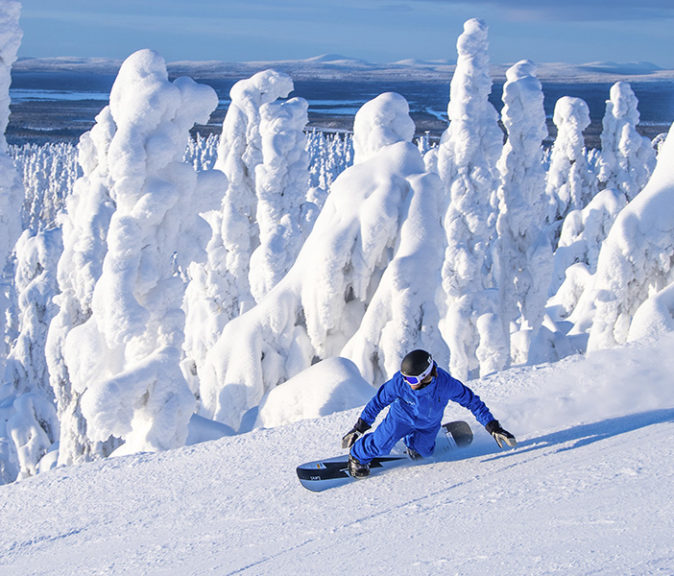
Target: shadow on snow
column 586, row 434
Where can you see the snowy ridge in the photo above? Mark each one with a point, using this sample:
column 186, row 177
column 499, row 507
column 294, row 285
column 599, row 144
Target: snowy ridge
column 586, row 491
column 334, row 66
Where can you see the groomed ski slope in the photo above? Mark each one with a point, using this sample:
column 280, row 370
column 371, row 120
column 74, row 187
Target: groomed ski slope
column 588, row 491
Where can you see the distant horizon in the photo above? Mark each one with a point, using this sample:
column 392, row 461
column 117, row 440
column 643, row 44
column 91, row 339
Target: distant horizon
column 333, row 66
column 333, row 57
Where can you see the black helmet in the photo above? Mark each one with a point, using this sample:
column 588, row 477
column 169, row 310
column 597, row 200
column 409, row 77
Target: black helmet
column 416, row 365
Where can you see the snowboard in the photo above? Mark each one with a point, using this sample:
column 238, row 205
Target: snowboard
column 323, row 474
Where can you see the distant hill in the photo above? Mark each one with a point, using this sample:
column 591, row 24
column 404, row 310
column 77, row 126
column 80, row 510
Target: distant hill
column 332, row 66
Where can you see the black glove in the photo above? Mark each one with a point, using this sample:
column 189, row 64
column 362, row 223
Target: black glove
column 356, row 432
column 500, row 435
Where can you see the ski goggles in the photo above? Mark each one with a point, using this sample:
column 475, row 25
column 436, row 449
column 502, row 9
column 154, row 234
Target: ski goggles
column 414, row 380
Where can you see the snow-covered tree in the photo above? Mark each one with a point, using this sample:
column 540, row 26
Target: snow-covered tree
column 631, row 293
column 571, row 184
column 424, row 143
column 281, row 182
column 202, row 152
column 330, row 155
column 575, row 262
column 11, row 197
column 380, row 122
column 84, row 226
column 467, row 156
column 32, row 423
column 583, row 233
column 658, row 142
column 11, row 186
column 239, row 154
column 403, row 313
column 219, row 288
column 524, row 251
column 627, row 159
column 10, row 40
column 48, row 172
column 314, row 310
column 124, row 360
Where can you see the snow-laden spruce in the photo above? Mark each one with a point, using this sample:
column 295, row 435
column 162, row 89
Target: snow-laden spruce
column 571, row 184
column 632, row 293
column 583, row 233
column 382, row 121
column 48, row 172
column 11, row 187
column 575, row 262
column 84, row 227
column 219, row 289
column 330, row 154
column 124, row 361
column 320, row 303
column 467, row 158
column 202, row 151
column 18, row 418
column 524, row 253
column 627, row 159
column 239, row 154
column 403, row 313
column 32, row 425
column 281, row 186
column 10, row 40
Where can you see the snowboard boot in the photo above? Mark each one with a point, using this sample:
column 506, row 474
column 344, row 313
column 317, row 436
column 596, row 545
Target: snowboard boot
column 413, row 454
column 356, row 469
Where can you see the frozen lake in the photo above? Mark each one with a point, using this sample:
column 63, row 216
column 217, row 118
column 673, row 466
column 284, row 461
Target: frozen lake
column 61, row 105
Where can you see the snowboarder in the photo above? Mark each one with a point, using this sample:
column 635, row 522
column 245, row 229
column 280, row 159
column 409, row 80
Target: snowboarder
column 417, row 395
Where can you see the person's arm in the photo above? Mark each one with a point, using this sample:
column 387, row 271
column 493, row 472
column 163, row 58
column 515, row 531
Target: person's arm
column 384, row 396
column 468, row 399
column 465, row 397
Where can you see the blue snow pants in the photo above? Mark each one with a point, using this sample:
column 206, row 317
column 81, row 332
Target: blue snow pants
column 393, row 428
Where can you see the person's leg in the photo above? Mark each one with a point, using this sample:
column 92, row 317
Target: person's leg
column 381, row 441
column 422, row 441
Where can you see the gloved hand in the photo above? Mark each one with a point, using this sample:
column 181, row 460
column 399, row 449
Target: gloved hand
column 500, row 435
column 349, row 439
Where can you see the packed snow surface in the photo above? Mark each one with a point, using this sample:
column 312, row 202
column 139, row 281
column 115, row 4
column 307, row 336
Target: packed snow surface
column 587, row 491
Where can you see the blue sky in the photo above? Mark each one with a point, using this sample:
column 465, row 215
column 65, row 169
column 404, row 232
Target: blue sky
column 573, row 31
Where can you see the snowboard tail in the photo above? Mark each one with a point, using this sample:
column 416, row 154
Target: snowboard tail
column 323, row 474
column 458, row 432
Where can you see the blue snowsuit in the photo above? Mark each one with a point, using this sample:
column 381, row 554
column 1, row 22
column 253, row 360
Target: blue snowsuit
column 415, row 415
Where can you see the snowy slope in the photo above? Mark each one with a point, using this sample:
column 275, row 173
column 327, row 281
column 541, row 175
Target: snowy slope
column 587, row 491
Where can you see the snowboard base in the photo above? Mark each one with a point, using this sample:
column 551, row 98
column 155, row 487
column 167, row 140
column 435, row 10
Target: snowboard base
column 323, row 474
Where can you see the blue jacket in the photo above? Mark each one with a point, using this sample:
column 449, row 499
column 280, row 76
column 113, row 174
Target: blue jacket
column 424, row 408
